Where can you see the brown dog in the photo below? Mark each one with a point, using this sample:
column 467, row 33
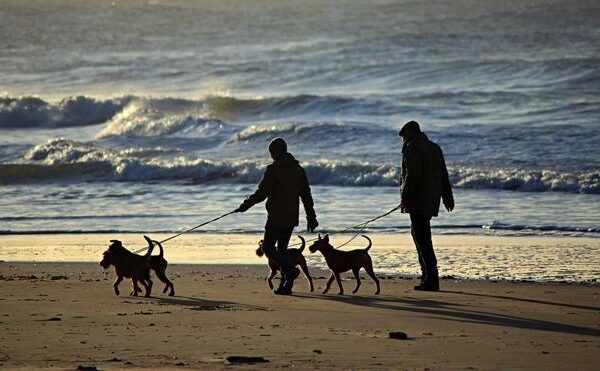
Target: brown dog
column 296, row 258
column 342, row 261
column 159, row 265
column 129, row 265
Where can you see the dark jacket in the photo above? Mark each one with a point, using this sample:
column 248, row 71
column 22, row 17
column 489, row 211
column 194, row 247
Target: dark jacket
column 424, row 176
column 283, row 184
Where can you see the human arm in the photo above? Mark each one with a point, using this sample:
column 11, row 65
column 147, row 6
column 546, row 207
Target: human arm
column 262, row 192
column 447, row 196
column 307, row 201
column 412, row 174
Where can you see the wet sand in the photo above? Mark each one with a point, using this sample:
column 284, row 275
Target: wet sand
column 65, row 315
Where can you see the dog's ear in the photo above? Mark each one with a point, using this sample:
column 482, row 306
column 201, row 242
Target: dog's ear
column 116, row 242
column 319, row 236
column 326, row 238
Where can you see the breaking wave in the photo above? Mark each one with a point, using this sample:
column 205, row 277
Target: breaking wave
column 33, row 112
column 62, row 158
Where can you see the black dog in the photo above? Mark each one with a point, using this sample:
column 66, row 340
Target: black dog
column 129, row 265
column 342, row 261
column 159, row 264
column 296, row 258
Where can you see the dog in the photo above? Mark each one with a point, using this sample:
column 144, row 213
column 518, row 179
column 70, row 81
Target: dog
column 129, row 265
column 159, row 265
column 342, row 261
column 296, row 258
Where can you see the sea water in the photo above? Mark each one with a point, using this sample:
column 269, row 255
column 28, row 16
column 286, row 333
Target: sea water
column 128, row 116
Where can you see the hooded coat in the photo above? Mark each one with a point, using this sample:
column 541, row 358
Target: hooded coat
column 283, row 184
column 424, row 176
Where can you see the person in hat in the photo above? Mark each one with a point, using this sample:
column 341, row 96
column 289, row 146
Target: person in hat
column 283, row 184
column 424, row 181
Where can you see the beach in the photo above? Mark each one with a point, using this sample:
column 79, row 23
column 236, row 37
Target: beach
column 65, row 314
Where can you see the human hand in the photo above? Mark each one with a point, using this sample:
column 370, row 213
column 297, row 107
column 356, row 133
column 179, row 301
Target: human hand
column 311, row 225
column 404, row 206
column 242, row 208
column 449, row 204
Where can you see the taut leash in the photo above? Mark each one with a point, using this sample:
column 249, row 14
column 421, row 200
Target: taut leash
column 189, row 230
column 362, row 227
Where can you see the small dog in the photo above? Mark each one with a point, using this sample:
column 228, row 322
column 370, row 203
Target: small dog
column 296, row 258
column 159, row 265
column 342, row 261
column 128, row 264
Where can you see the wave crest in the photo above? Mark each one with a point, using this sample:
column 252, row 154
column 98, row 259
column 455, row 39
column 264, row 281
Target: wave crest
column 136, row 165
column 28, row 112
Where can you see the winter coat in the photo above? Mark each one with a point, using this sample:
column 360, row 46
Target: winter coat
column 424, row 176
column 283, row 184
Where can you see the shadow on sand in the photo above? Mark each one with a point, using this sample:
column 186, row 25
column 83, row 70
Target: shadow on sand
column 458, row 312
column 204, row 304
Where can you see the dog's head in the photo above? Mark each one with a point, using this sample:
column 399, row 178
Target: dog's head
column 110, row 256
column 320, row 244
column 259, row 249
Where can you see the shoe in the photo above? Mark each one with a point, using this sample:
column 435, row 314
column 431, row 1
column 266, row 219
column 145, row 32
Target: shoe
column 427, row 286
column 283, row 291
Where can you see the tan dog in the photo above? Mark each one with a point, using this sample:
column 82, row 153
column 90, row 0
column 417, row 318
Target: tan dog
column 342, row 261
column 296, row 259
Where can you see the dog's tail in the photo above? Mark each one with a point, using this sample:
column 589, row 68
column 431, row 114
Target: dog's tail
column 160, row 248
column 303, row 243
column 368, row 239
column 151, row 246
column 259, row 250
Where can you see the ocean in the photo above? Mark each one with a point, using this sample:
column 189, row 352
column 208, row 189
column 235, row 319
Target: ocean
column 155, row 115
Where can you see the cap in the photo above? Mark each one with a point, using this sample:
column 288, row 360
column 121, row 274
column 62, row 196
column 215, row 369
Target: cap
column 411, row 125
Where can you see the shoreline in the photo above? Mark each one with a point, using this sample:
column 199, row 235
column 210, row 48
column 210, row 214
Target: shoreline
column 319, row 271
column 486, row 258
column 65, row 315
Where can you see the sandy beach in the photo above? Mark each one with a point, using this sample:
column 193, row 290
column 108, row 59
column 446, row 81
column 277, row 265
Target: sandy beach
column 65, row 314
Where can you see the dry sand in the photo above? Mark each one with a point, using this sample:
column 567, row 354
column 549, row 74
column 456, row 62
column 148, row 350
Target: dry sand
column 65, row 315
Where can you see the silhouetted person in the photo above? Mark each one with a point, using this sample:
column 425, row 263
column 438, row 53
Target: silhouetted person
column 283, row 184
column 424, row 182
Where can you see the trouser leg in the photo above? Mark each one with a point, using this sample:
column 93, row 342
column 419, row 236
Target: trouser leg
column 421, row 226
column 283, row 240
column 416, row 242
column 273, row 236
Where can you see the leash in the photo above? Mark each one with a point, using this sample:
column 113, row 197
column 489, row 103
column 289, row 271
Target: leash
column 189, row 230
column 362, row 227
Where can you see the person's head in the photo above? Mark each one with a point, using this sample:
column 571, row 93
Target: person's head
column 409, row 130
column 277, row 147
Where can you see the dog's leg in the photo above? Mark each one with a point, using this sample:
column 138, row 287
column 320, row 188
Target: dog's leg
column 371, row 273
column 304, row 268
column 148, row 284
column 329, row 282
column 339, row 282
column 135, row 291
column 270, row 278
column 355, row 271
column 116, row 284
column 135, row 288
column 168, row 284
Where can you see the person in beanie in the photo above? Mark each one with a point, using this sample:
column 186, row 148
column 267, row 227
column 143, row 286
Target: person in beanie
column 424, row 181
column 283, row 184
